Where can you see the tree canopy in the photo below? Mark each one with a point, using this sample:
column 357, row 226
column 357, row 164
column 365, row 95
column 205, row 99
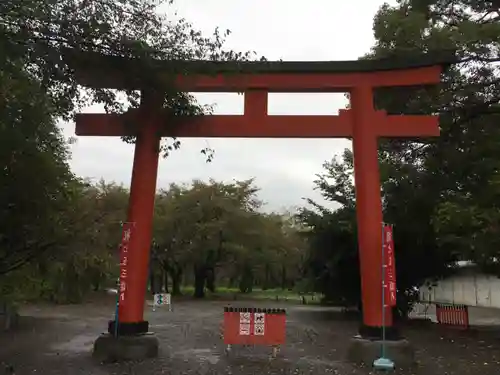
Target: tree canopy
column 35, row 183
column 216, row 228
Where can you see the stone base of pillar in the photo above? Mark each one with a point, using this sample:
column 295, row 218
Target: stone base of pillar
column 128, row 329
column 375, row 333
column 365, row 350
column 108, row 348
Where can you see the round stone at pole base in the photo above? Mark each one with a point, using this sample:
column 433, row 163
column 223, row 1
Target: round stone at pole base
column 364, row 351
column 109, row 349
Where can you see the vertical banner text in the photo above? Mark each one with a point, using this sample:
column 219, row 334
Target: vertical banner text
column 124, row 246
column 389, row 266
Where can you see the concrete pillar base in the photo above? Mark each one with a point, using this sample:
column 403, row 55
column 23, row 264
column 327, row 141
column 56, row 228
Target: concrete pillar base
column 365, row 351
column 108, row 348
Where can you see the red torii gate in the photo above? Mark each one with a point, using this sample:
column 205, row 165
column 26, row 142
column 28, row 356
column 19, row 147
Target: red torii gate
column 149, row 122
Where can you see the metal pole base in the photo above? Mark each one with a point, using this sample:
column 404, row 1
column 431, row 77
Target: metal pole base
column 383, row 364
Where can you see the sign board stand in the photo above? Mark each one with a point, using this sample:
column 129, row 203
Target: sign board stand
column 162, row 299
column 388, row 296
column 254, row 326
column 274, row 353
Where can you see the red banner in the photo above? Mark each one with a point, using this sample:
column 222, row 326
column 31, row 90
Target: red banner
column 126, row 236
column 389, row 266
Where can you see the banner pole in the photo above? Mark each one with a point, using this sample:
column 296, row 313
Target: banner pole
column 383, row 363
column 384, row 266
column 117, row 309
column 119, row 286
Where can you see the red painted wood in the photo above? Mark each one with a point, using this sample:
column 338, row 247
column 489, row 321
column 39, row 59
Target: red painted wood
column 140, row 212
column 307, row 82
column 244, row 126
column 368, row 206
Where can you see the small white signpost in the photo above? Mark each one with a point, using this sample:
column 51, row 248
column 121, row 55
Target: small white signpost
column 162, row 299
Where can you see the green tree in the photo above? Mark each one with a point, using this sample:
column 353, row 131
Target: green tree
column 35, row 178
column 85, row 258
column 452, row 178
column 196, row 225
column 213, row 231
column 333, row 262
column 97, row 217
column 283, row 249
column 172, row 232
column 127, row 28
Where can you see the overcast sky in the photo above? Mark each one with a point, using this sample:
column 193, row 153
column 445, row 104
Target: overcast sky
column 277, row 29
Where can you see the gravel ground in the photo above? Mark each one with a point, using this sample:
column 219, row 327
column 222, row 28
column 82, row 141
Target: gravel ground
column 58, row 340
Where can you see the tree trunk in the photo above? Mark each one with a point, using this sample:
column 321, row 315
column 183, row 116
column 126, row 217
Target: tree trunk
column 210, row 276
column 265, row 286
column 165, row 280
column 152, row 283
column 199, row 282
column 232, row 281
column 176, row 276
column 283, row 277
column 176, row 286
column 246, row 281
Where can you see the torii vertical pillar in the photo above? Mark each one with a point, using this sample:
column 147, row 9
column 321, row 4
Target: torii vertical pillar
column 366, row 347
column 132, row 340
column 368, row 211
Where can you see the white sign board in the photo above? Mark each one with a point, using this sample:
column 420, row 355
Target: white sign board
column 259, row 320
column 245, row 324
column 162, row 299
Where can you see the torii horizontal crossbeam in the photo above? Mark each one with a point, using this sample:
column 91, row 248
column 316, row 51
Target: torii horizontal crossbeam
column 112, row 72
column 243, row 126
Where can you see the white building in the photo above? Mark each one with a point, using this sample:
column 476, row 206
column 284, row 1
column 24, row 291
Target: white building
column 469, row 286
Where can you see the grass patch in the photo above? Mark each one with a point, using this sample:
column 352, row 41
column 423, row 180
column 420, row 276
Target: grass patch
column 258, row 294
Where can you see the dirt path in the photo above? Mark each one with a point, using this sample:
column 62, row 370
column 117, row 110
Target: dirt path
column 58, row 340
